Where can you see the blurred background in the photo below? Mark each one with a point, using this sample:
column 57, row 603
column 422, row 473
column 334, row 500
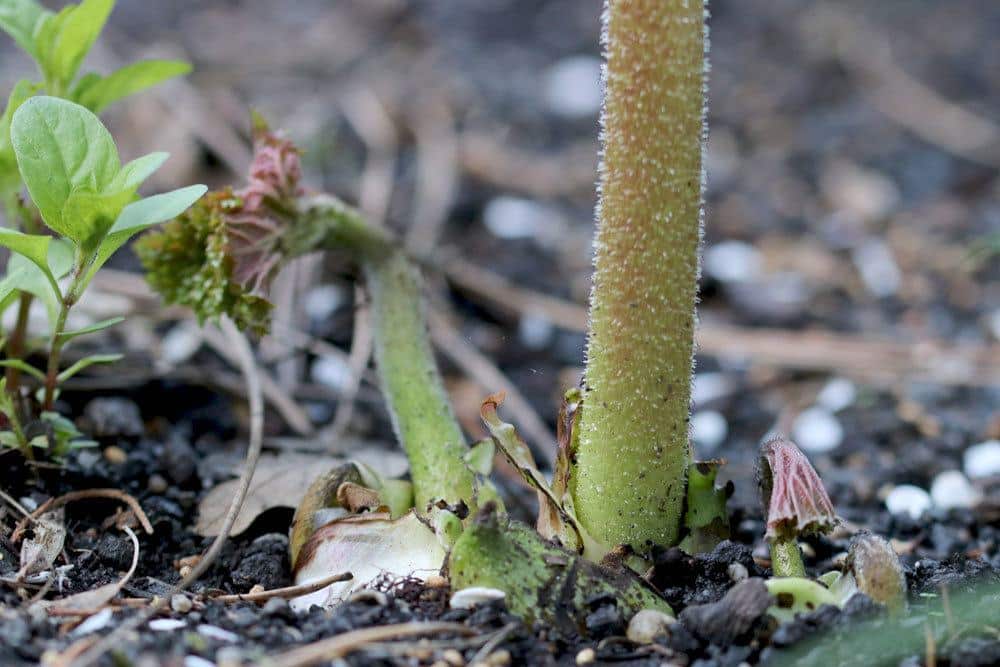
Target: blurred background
column 850, row 287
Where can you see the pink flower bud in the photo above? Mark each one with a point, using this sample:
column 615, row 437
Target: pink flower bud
column 791, row 491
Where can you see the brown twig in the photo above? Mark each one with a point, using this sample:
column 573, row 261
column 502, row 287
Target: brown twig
column 287, row 592
column 86, row 494
column 491, row 379
column 349, row 642
column 243, row 351
column 362, row 339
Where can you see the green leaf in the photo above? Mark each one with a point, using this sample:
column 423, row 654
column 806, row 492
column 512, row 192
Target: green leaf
column 34, row 247
column 20, row 19
column 63, row 152
column 93, row 328
column 88, row 361
column 133, row 174
column 71, row 37
column 97, row 93
column 22, row 366
column 141, row 215
column 22, row 90
column 25, row 276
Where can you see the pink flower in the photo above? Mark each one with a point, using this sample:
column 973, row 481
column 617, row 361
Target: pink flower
column 262, row 211
column 792, row 491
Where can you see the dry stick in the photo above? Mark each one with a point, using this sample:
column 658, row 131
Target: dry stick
column 290, row 412
column 490, row 378
column 491, row 159
column 494, row 641
column 87, row 494
column 368, row 118
column 362, row 340
column 55, row 610
column 287, row 592
column 243, row 351
column 349, row 642
column 437, row 172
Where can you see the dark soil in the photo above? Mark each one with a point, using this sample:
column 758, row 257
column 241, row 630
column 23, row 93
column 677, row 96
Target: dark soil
column 796, row 147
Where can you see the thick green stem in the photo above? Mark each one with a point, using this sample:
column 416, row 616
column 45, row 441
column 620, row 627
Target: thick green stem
column 786, row 558
column 628, row 483
column 418, row 403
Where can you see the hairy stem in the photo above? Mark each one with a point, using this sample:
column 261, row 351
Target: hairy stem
column 786, row 558
column 628, row 482
column 418, row 403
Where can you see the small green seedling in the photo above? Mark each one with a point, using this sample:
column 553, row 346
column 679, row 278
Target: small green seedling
column 59, row 152
column 69, row 163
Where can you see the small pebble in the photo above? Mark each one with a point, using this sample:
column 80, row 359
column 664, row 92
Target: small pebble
column 276, row 607
column 733, row 262
column 331, row 372
column 952, row 489
column 708, row 429
column 453, row 658
column 708, row 387
column 113, row 417
column 499, row 658
column 586, row 657
column 115, row 455
column 877, row 266
column 837, row 394
column 649, row 624
column 180, row 343
column 982, row 460
column 573, row 86
column 737, row 572
column 197, row 661
column 323, row 301
column 514, row 217
column 229, row 656
column 467, row 598
column 94, row 623
column 256, row 588
column 535, row 331
column 817, row 431
column 166, row 624
column 217, row 633
column 180, row 603
column 436, row 581
column 157, row 484
column 908, row 499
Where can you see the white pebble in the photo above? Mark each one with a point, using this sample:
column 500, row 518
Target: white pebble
column 467, row 598
column 180, row 343
column 708, row 429
column 878, row 268
column 535, row 331
column 737, row 572
column 647, row 625
column 709, row 387
column 733, row 262
column 197, row 661
column 817, row 431
column 908, row 499
column 573, row 86
column 332, row 372
column 181, row 603
column 94, row 623
column 515, row 217
column 837, row 394
column 215, row 632
column 166, row 624
column 952, row 489
column 982, row 460
column 323, row 301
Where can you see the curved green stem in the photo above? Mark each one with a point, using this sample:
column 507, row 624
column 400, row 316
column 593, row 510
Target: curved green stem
column 418, row 403
column 786, row 558
column 57, row 340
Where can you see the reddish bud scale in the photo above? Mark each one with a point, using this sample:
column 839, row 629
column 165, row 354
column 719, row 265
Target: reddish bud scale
column 792, row 491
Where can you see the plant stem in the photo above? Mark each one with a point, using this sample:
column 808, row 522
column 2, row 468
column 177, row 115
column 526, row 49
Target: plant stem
column 15, row 348
column 786, row 558
column 56, row 342
column 628, row 482
column 418, row 403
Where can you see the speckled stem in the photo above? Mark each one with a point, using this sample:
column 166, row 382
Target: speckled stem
column 418, row 403
column 628, row 483
column 786, row 558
